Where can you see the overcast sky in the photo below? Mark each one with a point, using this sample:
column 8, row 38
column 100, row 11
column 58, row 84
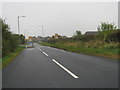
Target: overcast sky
column 63, row 18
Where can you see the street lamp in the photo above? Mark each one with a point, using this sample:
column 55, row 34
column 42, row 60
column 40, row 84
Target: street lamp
column 19, row 26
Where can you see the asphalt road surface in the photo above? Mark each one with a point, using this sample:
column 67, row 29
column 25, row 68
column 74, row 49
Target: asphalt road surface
column 46, row 67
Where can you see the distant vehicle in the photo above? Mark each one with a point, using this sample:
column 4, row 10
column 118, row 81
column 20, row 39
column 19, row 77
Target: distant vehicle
column 30, row 45
column 39, row 41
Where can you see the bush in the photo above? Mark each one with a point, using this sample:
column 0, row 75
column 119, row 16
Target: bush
column 111, row 46
column 89, row 37
column 9, row 41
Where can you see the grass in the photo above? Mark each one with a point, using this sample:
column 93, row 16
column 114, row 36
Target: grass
column 105, row 50
column 0, row 63
column 11, row 56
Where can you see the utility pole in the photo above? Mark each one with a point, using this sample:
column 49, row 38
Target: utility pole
column 25, row 33
column 19, row 27
column 119, row 15
column 42, row 31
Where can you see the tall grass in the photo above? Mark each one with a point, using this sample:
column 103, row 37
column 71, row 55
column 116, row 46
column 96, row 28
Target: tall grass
column 11, row 56
column 98, row 48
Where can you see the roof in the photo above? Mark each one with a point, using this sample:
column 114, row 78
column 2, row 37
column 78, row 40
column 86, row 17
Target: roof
column 91, row 32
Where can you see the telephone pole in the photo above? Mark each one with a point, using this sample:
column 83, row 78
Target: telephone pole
column 42, row 31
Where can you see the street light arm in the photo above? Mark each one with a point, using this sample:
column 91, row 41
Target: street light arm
column 21, row 16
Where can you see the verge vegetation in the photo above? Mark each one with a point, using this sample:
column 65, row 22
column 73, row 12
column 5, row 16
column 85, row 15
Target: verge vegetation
column 11, row 56
column 10, row 46
column 106, row 50
column 106, row 42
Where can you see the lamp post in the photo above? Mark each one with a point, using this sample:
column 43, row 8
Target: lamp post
column 19, row 27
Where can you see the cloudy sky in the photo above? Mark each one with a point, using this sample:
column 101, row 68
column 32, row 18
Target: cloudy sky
column 63, row 18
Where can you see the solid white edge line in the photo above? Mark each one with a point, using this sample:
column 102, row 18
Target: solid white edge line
column 45, row 53
column 65, row 69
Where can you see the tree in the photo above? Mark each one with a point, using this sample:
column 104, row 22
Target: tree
column 77, row 35
column 106, row 26
column 105, row 30
column 10, row 41
column 22, row 39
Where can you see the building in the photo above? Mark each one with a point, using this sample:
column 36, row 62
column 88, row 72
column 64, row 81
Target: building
column 30, row 38
column 35, row 39
column 56, row 36
column 91, row 33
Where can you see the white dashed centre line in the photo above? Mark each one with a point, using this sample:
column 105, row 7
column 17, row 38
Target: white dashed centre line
column 39, row 49
column 73, row 75
column 45, row 53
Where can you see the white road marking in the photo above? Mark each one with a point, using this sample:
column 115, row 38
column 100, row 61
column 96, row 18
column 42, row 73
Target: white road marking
column 63, row 50
column 45, row 53
column 39, row 49
column 65, row 69
column 30, row 48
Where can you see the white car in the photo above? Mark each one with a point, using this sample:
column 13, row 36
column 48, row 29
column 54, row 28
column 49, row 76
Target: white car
column 31, row 45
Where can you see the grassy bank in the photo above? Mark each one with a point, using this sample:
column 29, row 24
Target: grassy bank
column 0, row 63
column 11, row 56
column 104, row 50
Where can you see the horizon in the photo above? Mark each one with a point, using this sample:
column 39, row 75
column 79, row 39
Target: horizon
column 63, row 18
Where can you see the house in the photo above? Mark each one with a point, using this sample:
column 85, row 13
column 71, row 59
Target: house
column 34, row 39
column 30, row 38
column 91, row 33
column 56, row 36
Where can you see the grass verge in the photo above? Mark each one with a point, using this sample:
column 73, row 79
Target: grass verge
column 104, row 52
column 9, row 58
column 0, row 63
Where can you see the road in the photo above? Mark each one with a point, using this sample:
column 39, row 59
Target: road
column 46, row 67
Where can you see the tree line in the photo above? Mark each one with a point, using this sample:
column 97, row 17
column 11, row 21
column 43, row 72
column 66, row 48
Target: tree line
column 10, row 41
column 106, row 32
